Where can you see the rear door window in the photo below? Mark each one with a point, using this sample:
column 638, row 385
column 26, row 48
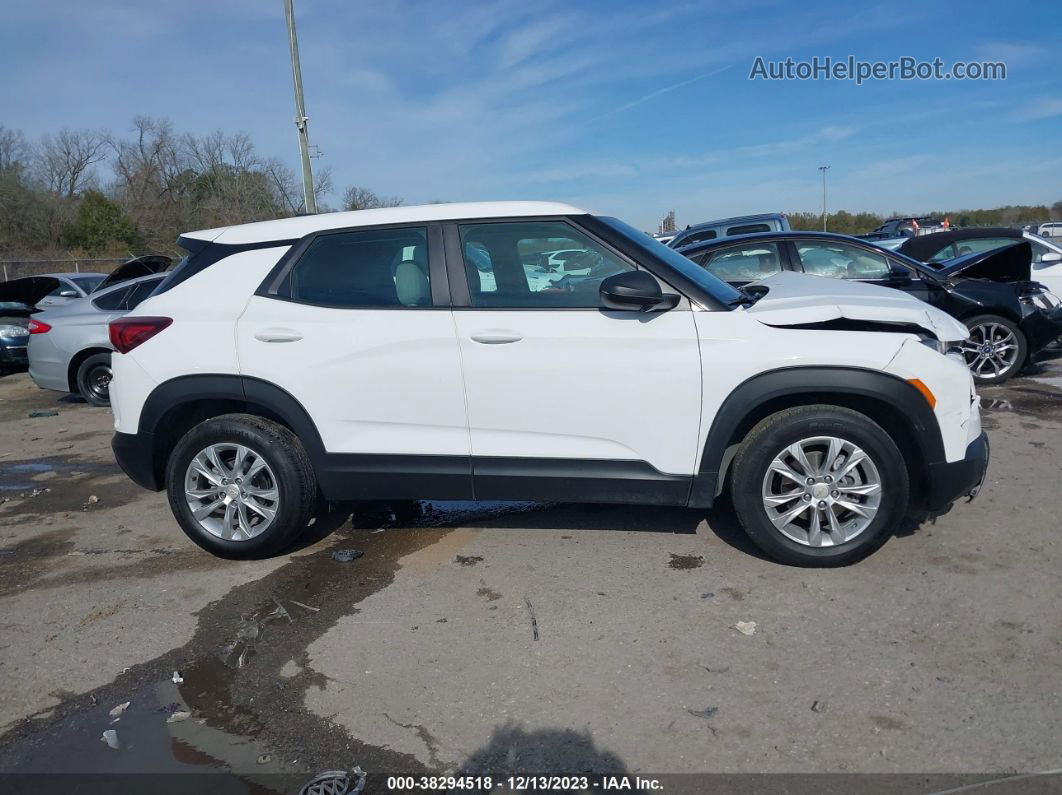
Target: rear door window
column 364, row 269
column 841, row 260
column 744, row 263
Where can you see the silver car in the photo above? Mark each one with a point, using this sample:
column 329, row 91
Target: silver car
column 69, row 346
column 71, row 287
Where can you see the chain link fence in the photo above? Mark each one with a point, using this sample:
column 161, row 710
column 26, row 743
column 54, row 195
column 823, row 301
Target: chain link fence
column 17, row 268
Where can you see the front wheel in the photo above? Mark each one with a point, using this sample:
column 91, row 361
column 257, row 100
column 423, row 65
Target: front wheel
column 241, row 486
column 995, row 350
column 819, row 486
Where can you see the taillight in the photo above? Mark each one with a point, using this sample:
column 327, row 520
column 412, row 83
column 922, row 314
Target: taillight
column 128, row 332
column 38, row 327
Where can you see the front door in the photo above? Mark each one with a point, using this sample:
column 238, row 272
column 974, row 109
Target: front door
column 566, row 400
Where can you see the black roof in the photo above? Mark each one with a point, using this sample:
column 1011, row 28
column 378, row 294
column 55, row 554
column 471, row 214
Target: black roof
column 925, row 246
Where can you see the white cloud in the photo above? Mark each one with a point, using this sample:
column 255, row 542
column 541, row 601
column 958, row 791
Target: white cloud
column 1047, row 108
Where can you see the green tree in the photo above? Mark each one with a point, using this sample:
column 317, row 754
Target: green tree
column 101, row 226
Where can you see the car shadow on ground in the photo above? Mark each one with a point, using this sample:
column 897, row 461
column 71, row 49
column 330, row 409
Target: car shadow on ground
column 514, row 751
column 573, row 518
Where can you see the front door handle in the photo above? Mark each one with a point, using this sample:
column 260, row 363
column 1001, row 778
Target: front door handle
column 496, row 336
column 278, row 335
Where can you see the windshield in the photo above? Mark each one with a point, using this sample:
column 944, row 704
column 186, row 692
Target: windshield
column 87, row 283
column 718, row 289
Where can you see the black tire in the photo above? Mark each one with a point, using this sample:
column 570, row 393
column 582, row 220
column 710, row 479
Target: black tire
column 777, row 432
column 985, row 321
column 281, row 449
column 94, row 379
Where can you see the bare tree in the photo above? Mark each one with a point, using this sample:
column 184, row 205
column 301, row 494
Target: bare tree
column 14, row 152
column 289, row 188
column 358, row 198
column 65, row 162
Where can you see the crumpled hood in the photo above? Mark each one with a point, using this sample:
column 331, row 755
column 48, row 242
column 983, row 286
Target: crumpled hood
column 798, row 299
column 1009, row 264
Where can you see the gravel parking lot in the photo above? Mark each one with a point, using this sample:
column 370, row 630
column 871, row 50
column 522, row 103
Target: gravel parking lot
column 519, row 636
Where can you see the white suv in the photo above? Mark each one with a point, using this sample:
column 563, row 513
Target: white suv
column 407, row 353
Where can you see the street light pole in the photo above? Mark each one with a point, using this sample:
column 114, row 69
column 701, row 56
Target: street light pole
column 300, row 112
column 824, row 169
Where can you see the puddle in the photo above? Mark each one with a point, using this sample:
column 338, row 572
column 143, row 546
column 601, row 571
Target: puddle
column 22, row 475
column 148, row 742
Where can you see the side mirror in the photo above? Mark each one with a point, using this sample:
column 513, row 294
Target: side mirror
column 635, row 290
column 898, row 275
column 1050, row 257
column 68, row 294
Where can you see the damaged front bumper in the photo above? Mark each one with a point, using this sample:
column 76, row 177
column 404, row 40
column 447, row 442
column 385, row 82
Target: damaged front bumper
column 948, row 482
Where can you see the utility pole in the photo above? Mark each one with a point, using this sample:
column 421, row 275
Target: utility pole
column 824, row 169
column 300, row 112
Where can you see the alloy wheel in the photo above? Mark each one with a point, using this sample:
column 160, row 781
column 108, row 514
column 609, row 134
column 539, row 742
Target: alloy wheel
column 821, row 491
column 990, row 350
column 231, row 491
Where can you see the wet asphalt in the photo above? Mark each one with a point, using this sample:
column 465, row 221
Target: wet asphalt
column 521, row 637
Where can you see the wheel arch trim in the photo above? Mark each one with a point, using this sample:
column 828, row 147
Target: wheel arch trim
column 792, row 384
column 187, row 390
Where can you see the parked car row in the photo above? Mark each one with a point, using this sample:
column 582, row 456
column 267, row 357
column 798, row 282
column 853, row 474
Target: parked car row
column 63, row 339
column 1008, row 300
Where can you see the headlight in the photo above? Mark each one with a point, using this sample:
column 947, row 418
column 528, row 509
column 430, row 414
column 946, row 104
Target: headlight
column 13, row 331
column 935, row 344
column 1043, row 299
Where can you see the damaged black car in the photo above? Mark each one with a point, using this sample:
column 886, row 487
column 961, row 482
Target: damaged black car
column 18, row 300
column 1010, row 317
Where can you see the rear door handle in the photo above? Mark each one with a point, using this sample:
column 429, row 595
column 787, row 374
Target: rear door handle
column 278, row 335
column 496, row 336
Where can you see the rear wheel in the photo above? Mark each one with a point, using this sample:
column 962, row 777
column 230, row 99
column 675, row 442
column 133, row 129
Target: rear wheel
column 241, row 486
column 94, row 379
column 819, row 486
column 995, row 350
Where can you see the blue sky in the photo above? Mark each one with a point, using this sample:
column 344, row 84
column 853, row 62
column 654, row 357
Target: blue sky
column 626, row 108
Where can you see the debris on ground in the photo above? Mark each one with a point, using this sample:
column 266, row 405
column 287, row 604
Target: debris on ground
column 111, row 738
column 467, row 560
column 307, row 607
column 117, row 711
column 534, row 621
column 335, row 782
column 818, row 706
column 36, row 414
column 92, row 500
column 686, row 562
column 177, row 678
column 346, row 555
column 705, row 713
column 707, row 595
column 746, row 627
column 178, row 716
column 249, row 631
column 265, row 759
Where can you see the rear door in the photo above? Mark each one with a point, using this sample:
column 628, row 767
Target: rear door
column 357, row 328
column 566, row 400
